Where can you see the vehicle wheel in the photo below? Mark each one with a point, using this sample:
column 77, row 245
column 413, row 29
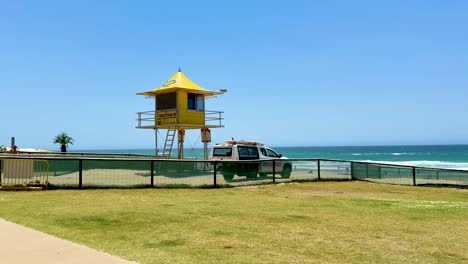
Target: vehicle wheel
column 286, row 173
column 251, row 175
column 228, row 176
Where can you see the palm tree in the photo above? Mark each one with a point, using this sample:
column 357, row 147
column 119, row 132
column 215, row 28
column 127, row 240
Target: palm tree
column 63, row 139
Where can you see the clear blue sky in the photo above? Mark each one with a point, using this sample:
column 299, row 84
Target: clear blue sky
column 312, row 73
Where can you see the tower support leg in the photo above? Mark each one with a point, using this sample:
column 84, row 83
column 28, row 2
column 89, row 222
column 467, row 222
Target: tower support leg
column 180, row 149
column 156, row 142
column 205, row 150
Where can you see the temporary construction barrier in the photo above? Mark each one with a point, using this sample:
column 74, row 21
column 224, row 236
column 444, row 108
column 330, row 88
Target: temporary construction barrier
column 24, row 173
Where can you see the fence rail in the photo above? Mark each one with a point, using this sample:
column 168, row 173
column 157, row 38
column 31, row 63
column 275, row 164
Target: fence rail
column 76, row 171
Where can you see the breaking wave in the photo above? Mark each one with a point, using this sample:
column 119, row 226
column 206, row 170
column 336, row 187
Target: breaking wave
column 427, row 163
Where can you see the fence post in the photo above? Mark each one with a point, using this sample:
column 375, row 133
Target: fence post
column 414, row 176
column 80, row 174
column 214, row 173
column 318, row 169
column 1, row 171
column 152, row 174
column 352, row 170
column 274, row 171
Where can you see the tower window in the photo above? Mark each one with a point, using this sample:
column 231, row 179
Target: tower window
column 166, row 101
column 200, row 102
column 195, row 102
column 191, row 101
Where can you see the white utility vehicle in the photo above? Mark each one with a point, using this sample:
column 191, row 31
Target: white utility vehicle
column 245, row 151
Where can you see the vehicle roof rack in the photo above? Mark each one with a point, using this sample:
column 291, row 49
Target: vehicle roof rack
column 244, row 142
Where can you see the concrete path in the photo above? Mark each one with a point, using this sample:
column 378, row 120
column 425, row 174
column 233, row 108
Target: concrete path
column 19, row 244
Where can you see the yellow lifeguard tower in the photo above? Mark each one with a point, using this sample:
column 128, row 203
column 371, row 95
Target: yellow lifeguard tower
column 179, row 105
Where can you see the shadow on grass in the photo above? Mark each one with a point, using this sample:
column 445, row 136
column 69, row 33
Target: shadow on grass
column 231, row 184
column 443, row 185
column 142, row 186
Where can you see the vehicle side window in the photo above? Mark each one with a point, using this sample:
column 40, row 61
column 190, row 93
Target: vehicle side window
column 247, row 153
column 263, row 151
column 222, row 152
column 272, row 154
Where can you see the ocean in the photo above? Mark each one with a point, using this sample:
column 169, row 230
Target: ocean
column 436, row 156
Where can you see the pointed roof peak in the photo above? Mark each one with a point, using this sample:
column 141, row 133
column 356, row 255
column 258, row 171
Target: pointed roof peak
column 179, row 82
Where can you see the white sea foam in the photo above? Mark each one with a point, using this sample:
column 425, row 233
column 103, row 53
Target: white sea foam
column 312, row 165
column 368, row 153
column 427, row 163
column 378, row 153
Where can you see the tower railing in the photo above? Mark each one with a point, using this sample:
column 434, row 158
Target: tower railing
column 147, row 119
column 144, row 117
column 214, row 118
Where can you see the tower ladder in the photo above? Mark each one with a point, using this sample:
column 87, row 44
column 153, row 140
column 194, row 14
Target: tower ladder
column 167, row 150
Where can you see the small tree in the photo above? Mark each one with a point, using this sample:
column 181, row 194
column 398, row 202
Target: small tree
column 63, row 139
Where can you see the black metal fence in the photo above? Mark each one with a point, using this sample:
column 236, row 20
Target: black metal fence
column 408, row 175
column 73, row 171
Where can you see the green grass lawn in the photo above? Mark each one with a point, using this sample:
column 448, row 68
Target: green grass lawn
column 328, row 222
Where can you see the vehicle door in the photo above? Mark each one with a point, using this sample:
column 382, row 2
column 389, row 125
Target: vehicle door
column 247, row 153
column 278, row 162
column 265, row 166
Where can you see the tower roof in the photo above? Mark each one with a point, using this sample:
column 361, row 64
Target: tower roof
column 179, row 82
